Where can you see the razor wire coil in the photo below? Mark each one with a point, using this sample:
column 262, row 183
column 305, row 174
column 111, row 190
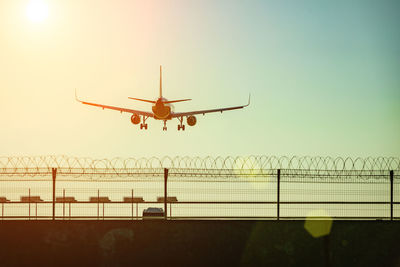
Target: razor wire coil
column 195, row 166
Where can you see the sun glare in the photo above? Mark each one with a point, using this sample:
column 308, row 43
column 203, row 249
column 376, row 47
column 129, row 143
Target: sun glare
column 37, row 11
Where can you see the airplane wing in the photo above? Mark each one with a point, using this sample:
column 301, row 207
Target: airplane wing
column 181, row 114
column 127, row 110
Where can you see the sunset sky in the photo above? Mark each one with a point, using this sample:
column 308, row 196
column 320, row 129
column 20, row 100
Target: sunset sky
column 324, row 76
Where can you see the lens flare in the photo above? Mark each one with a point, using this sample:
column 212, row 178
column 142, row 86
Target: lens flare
column 318, row 223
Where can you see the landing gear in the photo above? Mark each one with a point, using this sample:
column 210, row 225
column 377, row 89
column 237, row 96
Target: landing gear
column 165, row 126
column 181, row 126
column 144, row 124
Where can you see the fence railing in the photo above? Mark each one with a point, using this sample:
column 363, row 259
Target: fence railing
column 109, row 191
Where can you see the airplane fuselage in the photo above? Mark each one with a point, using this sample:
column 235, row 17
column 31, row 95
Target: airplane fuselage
column 161, row 111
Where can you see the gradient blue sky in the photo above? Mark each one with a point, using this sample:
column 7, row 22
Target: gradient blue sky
column 324, row 77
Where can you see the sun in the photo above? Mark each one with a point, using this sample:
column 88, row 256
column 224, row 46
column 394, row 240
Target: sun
column 37, row 11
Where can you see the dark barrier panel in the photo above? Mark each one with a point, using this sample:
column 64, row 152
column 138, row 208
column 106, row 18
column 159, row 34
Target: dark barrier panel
column 206, row 243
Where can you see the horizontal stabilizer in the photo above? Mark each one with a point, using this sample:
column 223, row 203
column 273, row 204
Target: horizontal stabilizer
column 174, row 101
column 144, row 100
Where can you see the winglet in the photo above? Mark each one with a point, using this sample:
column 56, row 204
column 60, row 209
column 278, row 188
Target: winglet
column 248, row 103
column 76, row 97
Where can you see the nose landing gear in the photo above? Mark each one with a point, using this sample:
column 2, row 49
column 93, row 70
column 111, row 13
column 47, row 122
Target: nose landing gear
column 165, row 126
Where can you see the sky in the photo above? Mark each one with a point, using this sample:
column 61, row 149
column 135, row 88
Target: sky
column 323, row 76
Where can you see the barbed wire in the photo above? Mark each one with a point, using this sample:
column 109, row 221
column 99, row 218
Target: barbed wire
column 68, row 164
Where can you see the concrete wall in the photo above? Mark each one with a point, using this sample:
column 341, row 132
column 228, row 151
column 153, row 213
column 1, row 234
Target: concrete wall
column 138, row 243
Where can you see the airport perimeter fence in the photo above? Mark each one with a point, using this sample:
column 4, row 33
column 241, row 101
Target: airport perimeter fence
column 255, row 187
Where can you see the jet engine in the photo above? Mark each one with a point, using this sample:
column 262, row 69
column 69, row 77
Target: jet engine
column 135, row 119
column 191, row 120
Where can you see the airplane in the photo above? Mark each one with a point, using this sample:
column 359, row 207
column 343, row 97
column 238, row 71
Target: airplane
column 161, row 110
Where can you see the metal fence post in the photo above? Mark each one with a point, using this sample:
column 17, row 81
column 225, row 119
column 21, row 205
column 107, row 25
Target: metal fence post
column 278, row 194
column 54, row 173
column 132, row 203
column 64, row 204
column 98, row 204
column 29, row 202
column 391, row 195
column 165, row 192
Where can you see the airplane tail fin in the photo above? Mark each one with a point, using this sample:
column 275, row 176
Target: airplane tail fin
column 160, row 81
column 165, row 102
column 168, row 102
column 151, row 101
